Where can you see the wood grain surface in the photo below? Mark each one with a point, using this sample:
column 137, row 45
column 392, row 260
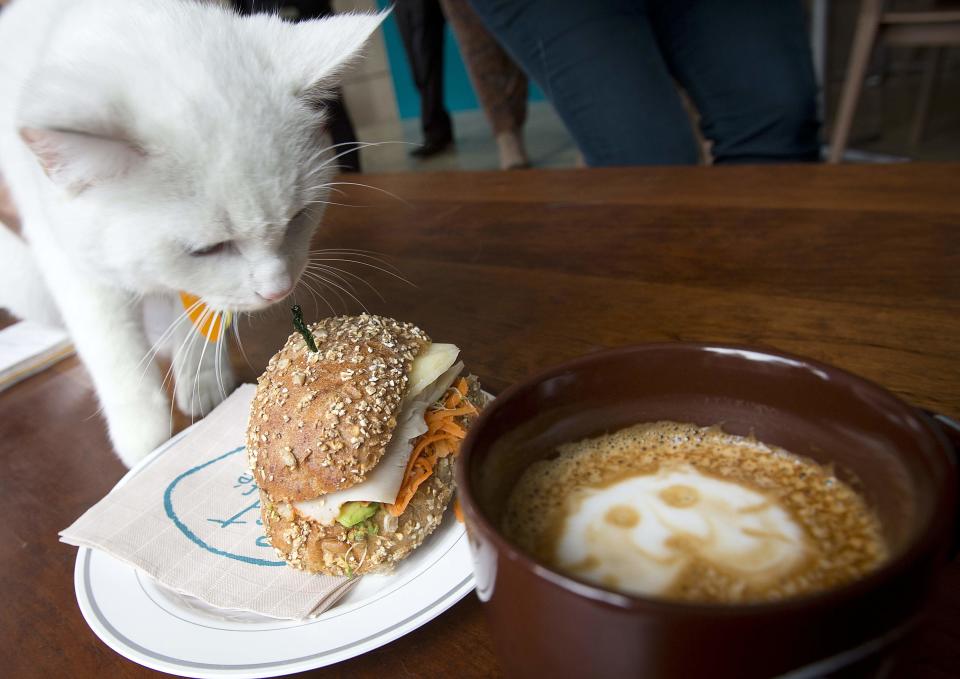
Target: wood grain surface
column 858, row 266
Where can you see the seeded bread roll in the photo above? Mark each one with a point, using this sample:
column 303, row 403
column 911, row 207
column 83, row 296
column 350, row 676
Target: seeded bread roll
column 321, row 420
column 307, row 545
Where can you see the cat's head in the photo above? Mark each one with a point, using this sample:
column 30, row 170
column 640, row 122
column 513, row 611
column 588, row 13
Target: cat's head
column 188, row 145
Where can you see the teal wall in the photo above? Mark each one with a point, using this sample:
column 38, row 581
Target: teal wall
column 458, row 91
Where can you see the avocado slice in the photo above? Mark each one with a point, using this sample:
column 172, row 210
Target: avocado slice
column 352, row 513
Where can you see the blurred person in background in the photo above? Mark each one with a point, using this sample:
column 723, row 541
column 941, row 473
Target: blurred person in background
column 500, row 84
column 421, row 24
column 612, row 69
column 338, row 120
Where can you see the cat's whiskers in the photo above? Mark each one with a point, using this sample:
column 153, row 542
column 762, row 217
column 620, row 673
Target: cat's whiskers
column 343, row 304
column 334, row 286
column 218, row 369
column 148, row 356
column 325, row 269
column 314, row 260
column 313, row 162
column 236, row 333
column 152, row 354
column 320, row 271
column 369, row 254
column 191, row 333
column 359, row 145
column 322, row 297
column 348, row 143
column 164, row 336
column 331, row 185
column 341, row 274
column 214, row 315
column 330, row 202
column 313, row 294
column 186, row 346
column 134, row 299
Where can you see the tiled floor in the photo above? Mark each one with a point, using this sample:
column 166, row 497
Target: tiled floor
column 548, row 144
column 882, row 130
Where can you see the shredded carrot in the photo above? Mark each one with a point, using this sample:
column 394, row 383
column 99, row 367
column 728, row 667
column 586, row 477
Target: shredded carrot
column 458, row 510
column 457, row 395
column 453, row 412
column 441, row 439
column 451, row 427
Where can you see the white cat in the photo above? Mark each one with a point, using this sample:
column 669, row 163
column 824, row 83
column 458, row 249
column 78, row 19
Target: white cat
column 152, row 147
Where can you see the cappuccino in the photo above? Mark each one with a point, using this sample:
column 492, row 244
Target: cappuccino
column 692, row 513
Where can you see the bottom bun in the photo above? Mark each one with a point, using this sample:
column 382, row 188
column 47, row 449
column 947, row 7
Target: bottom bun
column 310, row 546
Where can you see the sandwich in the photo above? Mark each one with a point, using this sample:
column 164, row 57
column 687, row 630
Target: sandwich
column 352, row 436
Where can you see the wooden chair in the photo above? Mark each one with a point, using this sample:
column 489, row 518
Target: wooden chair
column 932, row 28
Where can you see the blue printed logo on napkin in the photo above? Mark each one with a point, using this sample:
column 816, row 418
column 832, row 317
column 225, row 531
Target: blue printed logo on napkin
column 222, row 525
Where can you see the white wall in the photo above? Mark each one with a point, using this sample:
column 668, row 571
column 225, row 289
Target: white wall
column 368, row 86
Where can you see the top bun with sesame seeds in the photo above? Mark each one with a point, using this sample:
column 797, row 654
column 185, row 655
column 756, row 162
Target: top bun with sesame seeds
column 321, row 420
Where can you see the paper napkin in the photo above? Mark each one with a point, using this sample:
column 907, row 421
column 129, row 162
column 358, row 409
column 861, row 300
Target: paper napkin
column 191, row 519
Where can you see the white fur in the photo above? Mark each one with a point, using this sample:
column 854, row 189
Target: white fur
column 136, row 132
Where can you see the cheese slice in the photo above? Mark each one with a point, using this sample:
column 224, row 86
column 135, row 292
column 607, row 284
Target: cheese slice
column 432, row 373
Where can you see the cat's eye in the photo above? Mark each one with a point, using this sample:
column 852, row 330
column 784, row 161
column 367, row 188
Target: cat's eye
column 214, row 249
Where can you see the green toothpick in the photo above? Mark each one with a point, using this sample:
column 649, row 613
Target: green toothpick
column 302, row 328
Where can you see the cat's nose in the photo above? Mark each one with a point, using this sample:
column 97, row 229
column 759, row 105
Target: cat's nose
column 276, row 294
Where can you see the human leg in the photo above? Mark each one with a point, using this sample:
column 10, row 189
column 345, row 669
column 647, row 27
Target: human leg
column 600, row 66
column 500, row 84
column 421, row 26
column 746, row 64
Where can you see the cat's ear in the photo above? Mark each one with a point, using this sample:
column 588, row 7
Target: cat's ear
column 325, row 47
column 78, row 160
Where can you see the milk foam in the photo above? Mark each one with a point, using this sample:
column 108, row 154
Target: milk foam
column 693, row 513
column 639, row 533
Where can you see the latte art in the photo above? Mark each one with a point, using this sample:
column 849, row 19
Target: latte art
column 686, row 512
column 638, row 534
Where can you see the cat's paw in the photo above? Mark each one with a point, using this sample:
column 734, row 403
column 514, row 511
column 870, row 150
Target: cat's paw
column 197, row 397
column 137, row 429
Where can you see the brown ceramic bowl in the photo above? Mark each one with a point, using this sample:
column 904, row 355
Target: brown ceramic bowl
column 548, row 624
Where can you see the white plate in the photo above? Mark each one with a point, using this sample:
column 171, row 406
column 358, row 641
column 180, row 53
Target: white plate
column 156, row 627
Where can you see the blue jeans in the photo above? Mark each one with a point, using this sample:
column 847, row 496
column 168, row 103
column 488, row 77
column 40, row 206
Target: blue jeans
column 611, row 68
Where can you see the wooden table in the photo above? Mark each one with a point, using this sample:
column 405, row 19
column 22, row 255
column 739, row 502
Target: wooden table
column 857, row 266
